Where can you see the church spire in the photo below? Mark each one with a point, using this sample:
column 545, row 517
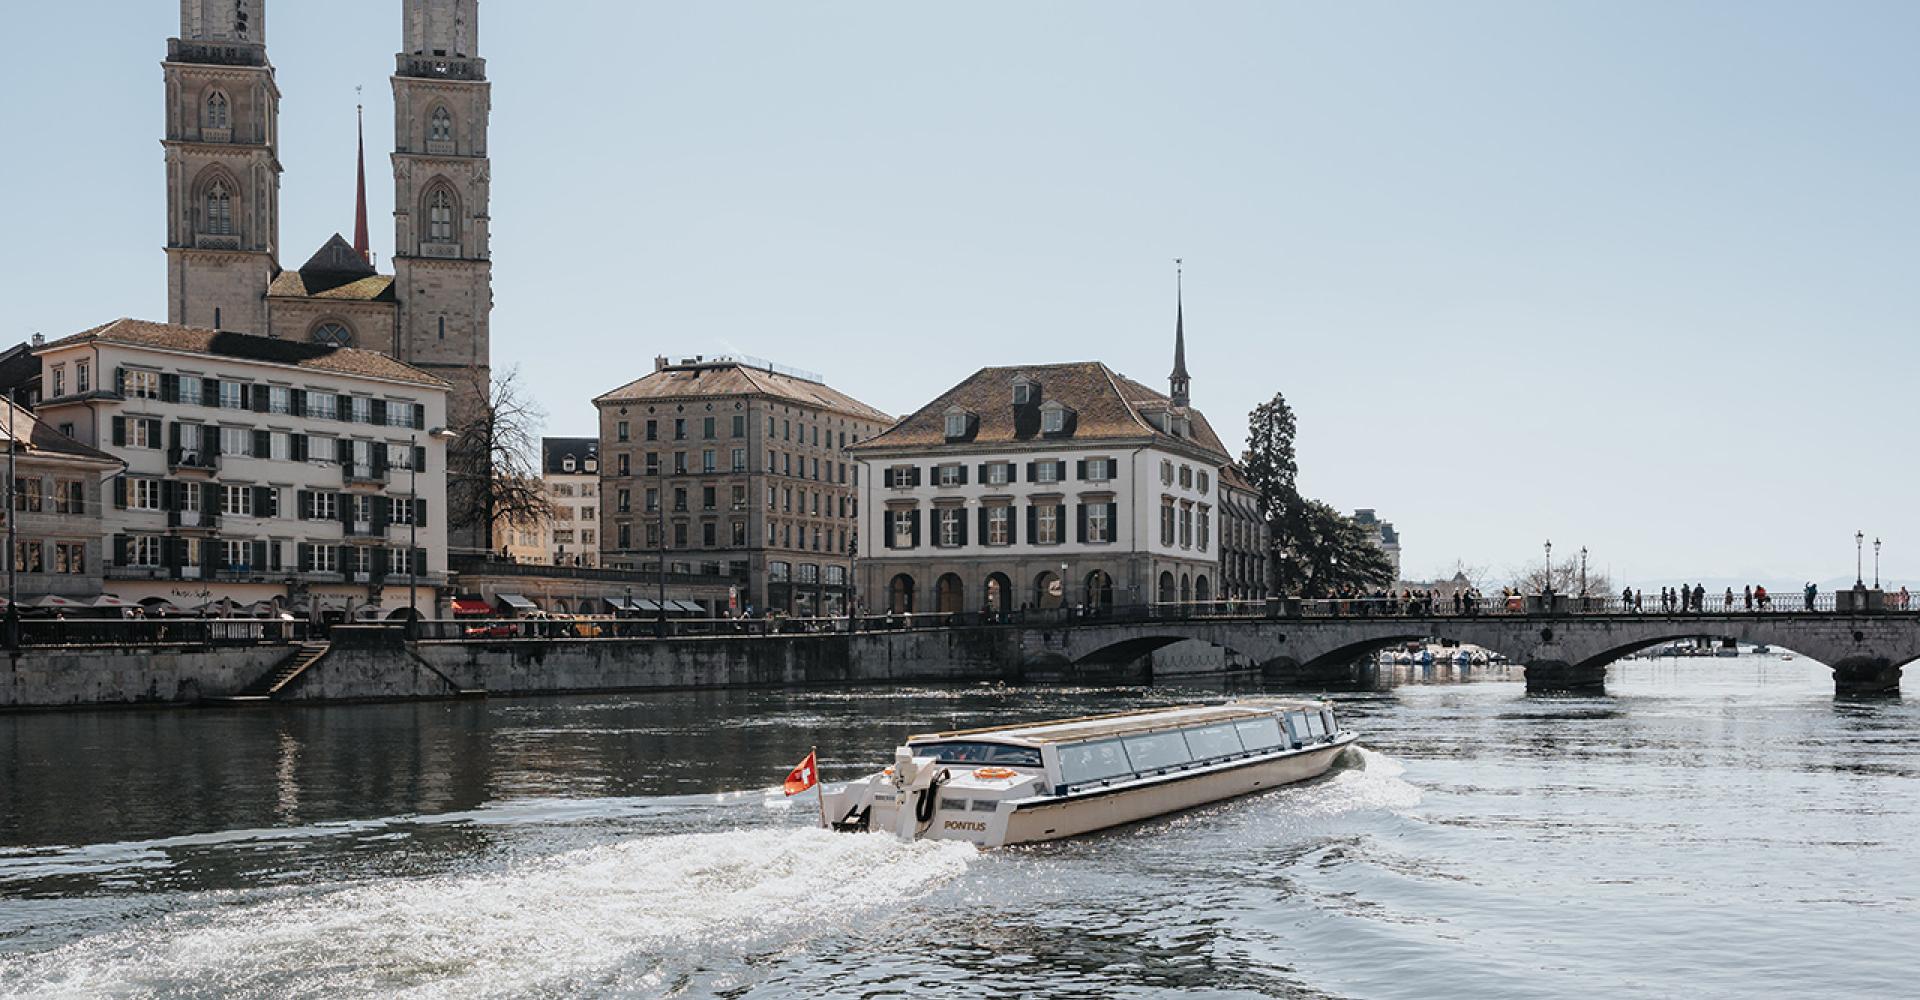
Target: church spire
column 362, row 243
column 1179, row 383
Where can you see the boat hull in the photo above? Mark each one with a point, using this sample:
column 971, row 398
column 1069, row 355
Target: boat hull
column 1072, row 816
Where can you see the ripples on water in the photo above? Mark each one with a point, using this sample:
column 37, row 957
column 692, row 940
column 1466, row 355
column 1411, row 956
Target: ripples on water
column 1709, row 830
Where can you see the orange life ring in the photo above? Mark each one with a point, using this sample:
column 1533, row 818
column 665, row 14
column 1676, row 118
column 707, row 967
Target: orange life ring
column 991, row 773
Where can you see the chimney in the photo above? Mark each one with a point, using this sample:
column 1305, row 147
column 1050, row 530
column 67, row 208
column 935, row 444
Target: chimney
column 659, row 362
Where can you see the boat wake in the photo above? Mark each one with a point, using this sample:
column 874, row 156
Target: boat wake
column 633, row 916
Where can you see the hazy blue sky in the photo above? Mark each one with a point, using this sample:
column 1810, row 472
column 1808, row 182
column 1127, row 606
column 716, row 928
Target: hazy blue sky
column 1635, row 276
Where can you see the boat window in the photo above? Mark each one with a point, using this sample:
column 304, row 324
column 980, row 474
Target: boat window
column 1297, row 727
column 1157, row 751
column 1261, row 734
column 1213, row 742
column 1326, row 716
column 1315, row 726
column 984, row 805
column 954, row 805
column 979, row 753
column 1082, row 763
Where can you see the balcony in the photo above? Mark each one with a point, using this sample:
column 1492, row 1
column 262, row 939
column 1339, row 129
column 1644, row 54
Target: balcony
column 193, row 519
column 192, row 460
column 370, row 476
column 217, row 241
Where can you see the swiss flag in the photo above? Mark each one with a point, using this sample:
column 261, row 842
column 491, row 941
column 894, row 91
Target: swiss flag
column 805, row 776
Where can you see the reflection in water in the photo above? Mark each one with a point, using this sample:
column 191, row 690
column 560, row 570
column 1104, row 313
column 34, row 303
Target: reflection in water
column 1686, row 834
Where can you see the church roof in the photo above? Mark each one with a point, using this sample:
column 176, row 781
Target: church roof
column 735, row 379
column 247, row 347
column 1102, row 405
column 336, row 271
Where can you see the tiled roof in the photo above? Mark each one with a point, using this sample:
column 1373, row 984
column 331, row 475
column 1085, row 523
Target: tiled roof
column 33, row 432
column 732, row 379
column 294, row 285
column 247, row 347
column 554, row 451
column 1102, row 406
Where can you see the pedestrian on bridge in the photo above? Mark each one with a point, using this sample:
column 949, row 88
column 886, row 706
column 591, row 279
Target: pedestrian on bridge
column 1626, row 599
column 1639, row 601
column 1749, row 592
column 1699, row 598
column 1813, row 592
column 1760, row 597
column 1726, row 603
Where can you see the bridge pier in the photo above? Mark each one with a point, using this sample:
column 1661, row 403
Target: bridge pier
column 1866, row 677
column 1561, row 677
column 1320, row 675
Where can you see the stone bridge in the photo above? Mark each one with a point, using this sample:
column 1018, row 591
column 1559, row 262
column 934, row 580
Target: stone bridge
column 1560, row 652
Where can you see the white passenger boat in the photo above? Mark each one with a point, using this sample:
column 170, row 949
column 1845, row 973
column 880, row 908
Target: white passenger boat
column 1044, row 781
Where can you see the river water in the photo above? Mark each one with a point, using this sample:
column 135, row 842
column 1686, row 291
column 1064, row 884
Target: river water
column 1710, row 828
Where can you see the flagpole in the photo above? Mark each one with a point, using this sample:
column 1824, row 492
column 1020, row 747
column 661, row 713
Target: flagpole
column 819, row 787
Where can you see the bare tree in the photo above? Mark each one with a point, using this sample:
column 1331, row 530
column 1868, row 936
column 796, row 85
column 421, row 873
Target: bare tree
column 494, row 464
column 1565, row 579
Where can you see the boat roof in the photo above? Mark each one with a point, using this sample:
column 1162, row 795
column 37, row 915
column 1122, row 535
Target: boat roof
column 1126, row 723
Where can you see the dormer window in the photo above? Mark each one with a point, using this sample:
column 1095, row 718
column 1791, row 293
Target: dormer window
column 567, row 464
column 1024, row 391
column 593, row 464
column 958, row 423
column 1053, row 418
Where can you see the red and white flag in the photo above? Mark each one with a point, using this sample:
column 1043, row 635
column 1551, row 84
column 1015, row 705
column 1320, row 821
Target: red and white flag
column 805, row 776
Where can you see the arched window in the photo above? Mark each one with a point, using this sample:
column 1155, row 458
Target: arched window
column 219, row 114
column 440, row 216
column 440, row 126
column 219, row 210
column 331, row 334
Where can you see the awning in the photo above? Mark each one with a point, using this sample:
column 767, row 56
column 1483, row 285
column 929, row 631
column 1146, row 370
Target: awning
column 642, row 604
column 110, row 601
column 468, row 606
column 518, row 603
column 689, row 607
column 56, row 601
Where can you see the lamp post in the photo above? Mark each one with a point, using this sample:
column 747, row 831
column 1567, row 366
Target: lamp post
column 660, row 525
column 413, row 525
column 1547, row 586
column 1583, row 572
column 1876, row 564
column 1859, row 543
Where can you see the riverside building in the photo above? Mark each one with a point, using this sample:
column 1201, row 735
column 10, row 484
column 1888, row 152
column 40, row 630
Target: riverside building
column 57, row 483
column 1042, row 487
column 1243, row 539
column 739, row 469
column 258, row 471
column 571, row 472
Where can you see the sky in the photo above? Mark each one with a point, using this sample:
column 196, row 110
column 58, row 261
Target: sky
column 1633, row 276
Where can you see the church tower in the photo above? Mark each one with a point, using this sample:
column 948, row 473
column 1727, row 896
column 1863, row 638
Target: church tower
column 223, row 166
column 442, row 261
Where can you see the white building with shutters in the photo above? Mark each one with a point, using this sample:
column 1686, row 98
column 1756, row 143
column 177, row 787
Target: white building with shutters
column 1041, row 487
column 264, row 472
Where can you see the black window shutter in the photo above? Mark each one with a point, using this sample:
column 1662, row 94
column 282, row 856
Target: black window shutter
column 305, row 500
column 120, row 544
column 983, row 526
column 886, row 529
column 378, row 411
column 344, row 408
column 120, row 432
column 1080, row 470
column 1033, row 523
column 1030, row 474
column 1060, row 470
column 297, row 401
column 1082, row 538
column 419, row 562
column 913, row 537
column 419, row 458
column 261, row 495
column 210, row 440
column 420, row 512
column 343, row 505
column 210, row 392
column 379, row 563
column 306, row 558
column 1113, row 521
column 258, row 560
column 261, row 398
column 916, row 476
column 170, row 494
column 262, row 444
column 120, row 494
column 961, row 517
column 210, row 499
column 153, row 433
column 963, row 475
column 382, row 513
column 213, row 554
column 169, row 388
column 1013, row 472
column 983, row 472
column 173, row 436
column 419, row 416
column 120, row 381
column 299, row 447
column 886, row 478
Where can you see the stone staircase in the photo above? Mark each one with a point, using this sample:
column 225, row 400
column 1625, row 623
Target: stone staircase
column 274, row 681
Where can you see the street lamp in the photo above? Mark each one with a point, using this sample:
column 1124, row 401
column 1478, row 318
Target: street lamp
column 1547, row 587
column 1876, row 564
column 413, row 525
column 1583, row 571
column 1859, row 541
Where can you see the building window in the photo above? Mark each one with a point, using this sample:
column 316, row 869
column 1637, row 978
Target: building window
column 739, row 459
column 440, row 126
column 956, row 425
column 709, row 461
column 779, row 572
column 998, row 520
column 219, row 112
column 739, row 426
column 1099, row 530
column 27, row 496
column 739, row 534
column 59, row 381
column 1166, row 521
column 707, row 428
column 143, row 385
column 27, row 556
column 143, row 494
column 1166, row 473
column 1205, row 528
column 440, row 216
column 81, row 381
column 236, row 501
column 1046, row 472
column 323, row 405
column 1186, row 477
column 951, row 475
column 903, row 529
column 326, row 507
column 1022, row 393
column 143, row 433
column 325, row 559
column 679, row 430
column 143, row 550
column 1203, row 483
column 1099, row 470
column 232, row 396
column 333, row 335
column 219, row 210
column 1046, row 529
column 280, row 400
column 1053, row 419
column 1186, row 527
column 236, row 441
column 70, row 558
column 950, row 527
column 999, row 473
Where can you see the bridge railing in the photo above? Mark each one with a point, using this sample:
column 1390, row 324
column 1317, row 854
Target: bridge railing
column 47, row 632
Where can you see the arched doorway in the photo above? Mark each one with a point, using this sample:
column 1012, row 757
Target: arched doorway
column 1048, row 592
column 999, row 592
column 1099, row 590
column 1202, row 590
column 900, row 595
column 949, row 595
column 1186, row 589
column 1168, row 589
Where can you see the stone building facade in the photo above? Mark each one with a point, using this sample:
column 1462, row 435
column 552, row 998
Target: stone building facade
column 1042, row 487
column 223, row 210
column 57, row 491
column 1243, row 539
column 734, row 468
column 258, row 471
column 570, row 469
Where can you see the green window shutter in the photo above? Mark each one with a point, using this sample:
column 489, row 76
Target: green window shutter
column 262, row 444
column 420, row 511
column 120, row 495
column 1082, row 515
column 120, row 432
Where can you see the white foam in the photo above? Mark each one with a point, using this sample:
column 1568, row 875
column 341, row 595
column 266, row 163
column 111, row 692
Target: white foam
column 645, row 907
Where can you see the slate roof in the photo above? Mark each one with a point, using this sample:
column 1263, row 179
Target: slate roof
column 336, row 271
column 247, row 347
column 36, row 436
column 554, row 451
column 1102, row 404
column 700, row 381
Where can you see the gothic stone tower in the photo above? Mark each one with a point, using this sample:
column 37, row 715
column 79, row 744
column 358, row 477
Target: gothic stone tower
column 443, row 269
column 223, row 168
